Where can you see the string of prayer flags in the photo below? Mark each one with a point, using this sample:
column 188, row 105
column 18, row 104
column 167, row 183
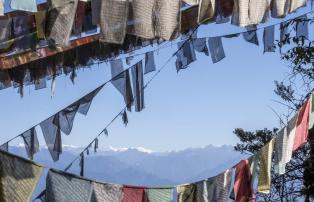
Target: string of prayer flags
column 302, row 27
column 216, row 49
column 52, row 127
column 31, row 142
column 243, row 190
column 138, row 86
column 24, row 5
column 52, row 136
column 60, row 20
column 64, row 187
column 217, row 187
column 133, row 193
column 160, row 194
column 121, row 81
column 18, row 177
column 251, row 37
column 113, row 21
column 301, row 133
column 106, row 192
column 269, row 39
column 265, row 156
column 185, row 56
column 149, row 62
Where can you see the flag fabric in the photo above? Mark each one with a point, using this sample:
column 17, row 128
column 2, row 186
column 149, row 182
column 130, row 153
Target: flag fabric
column 121, row 81
column 138, row 86
column 142, row 18
column 168, row 19
column 18, row 177
column 216, row 49
column 160, row 195
column 24, row 5
column 206, row 10
column 4, row 147
column 302, row 131
column 150, row 65
column 185, row 55
column 113, row 21
column 60, row 20
column 31, row 142
column 64, row 187
column 265, row 156
column 269, row 39
column 279, row 8
column 302, row 27
column 251, row 37
column 134, row 194
column 52, row 136
column 217, row 188
column 106, row 192
column 243, row 190
column 191, row 192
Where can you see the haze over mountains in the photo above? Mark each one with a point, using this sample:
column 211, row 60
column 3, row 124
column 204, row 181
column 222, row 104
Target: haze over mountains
column 139, row 166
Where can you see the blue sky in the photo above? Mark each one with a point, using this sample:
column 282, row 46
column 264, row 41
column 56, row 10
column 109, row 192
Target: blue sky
column 196, row 107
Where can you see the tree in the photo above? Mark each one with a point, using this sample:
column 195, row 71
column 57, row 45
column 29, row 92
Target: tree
column 298, row 181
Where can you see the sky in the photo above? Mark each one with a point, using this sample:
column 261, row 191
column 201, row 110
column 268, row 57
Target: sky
column 199, row 106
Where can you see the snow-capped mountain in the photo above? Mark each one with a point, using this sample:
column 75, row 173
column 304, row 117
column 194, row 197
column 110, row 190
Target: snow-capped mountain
column 141, row 166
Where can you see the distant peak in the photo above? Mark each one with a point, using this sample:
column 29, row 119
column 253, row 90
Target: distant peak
column 125, row 149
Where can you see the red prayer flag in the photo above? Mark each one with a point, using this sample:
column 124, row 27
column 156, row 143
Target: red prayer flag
column 302, row 129
column 243, row 190
column 134, row 194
